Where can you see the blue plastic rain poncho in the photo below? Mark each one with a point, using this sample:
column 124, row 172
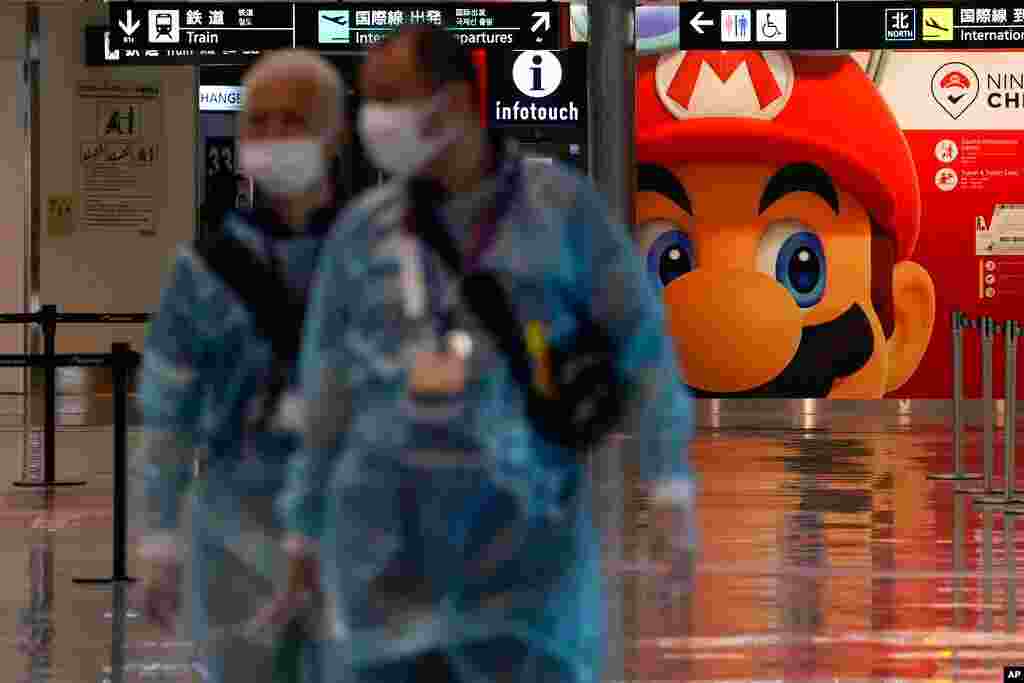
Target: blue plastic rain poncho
column 444, row 523
column 203, row 371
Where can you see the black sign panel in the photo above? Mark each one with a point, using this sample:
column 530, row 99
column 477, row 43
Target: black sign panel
column 99, row 51
column 228, row 33
column 758, row 26
column 538, row 89
column 850, row 25
column 194, row 32
column 923, row 26
column 514, row 26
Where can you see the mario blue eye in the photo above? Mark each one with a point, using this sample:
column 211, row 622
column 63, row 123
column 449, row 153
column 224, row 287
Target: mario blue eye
column 670, row 257
column 795, row 257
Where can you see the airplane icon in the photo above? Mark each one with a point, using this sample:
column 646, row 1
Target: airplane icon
column 336, row 26
column 340, row 20
column 932, row 23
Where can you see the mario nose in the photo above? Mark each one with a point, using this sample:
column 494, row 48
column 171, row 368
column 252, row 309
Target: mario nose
column 734, row 329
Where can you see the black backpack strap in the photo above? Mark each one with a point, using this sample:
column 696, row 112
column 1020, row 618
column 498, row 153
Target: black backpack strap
column 277, row 313
column 482, row 291
column 590, row 400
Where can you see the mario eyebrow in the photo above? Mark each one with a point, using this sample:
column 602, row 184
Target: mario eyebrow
column 800, row 178
column 654, row 178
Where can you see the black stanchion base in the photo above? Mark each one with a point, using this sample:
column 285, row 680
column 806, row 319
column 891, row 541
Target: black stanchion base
column 46, row 484
column 954, row 476
column 106, row 581
column 992, row 500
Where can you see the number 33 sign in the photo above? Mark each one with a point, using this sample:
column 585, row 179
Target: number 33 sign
column 220, row 157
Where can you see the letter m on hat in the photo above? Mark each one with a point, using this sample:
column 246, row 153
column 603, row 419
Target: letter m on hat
column 702, row 84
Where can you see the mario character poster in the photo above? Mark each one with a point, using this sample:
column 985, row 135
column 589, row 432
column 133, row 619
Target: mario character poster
column 778, row 209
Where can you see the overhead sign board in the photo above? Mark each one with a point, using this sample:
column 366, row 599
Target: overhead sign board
column 348, row 26
column 196, row 32
column 224, row 33
column 849, row 25
column 539, row 89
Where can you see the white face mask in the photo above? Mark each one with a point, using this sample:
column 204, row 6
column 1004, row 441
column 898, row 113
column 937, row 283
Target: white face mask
column 393, row 140
column 284, row 168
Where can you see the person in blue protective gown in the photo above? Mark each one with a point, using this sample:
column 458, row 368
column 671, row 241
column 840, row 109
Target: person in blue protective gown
column 206, row 373
column 457, row 540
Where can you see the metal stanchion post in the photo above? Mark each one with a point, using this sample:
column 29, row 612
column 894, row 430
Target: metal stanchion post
column 1009, row 542
column 959, row 565
column 119, row 636
column 1012, row 332
column 122, row 358
column 986, row 577
column 988, row 332
column 48, row 323
column 959, row 322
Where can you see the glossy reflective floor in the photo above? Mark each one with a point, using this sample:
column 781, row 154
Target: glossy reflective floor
column 826, row 556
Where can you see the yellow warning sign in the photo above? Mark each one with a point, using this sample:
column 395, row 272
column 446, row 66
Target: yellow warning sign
column 59, row 215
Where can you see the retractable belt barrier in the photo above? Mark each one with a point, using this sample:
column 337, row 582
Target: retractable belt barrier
column 47, row 318
column 988, row 329
column 123, row 361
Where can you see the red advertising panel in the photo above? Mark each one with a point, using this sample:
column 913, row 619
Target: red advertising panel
column 812, row 220
column 961, row 113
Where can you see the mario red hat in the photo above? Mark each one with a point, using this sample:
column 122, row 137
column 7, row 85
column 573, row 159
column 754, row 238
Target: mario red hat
column 721, row 106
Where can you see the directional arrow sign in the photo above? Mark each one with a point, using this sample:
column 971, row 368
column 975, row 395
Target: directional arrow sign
column 131, row 26
column 543, row 20
column 698, row 22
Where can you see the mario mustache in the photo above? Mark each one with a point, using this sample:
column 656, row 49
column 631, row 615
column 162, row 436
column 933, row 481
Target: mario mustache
column 827, row 352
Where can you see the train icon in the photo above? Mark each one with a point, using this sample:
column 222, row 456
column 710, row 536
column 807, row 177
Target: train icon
column 164, row 26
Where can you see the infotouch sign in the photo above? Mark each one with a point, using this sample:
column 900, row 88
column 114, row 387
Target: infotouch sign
column 537, row 74
column 517, row 112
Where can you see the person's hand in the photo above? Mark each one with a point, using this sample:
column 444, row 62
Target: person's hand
column 437, row 373
column 160, row 594
column 298, row 595
column 674, row 548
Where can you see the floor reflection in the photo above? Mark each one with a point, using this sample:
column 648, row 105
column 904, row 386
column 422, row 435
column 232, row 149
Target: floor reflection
column 834, row 557
column 826, row 556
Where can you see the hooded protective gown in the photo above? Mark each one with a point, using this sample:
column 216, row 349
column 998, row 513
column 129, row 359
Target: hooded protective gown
column 444, row 524
column 204, row 366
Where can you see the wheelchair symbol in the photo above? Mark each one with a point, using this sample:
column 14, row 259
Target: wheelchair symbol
column 769, row 29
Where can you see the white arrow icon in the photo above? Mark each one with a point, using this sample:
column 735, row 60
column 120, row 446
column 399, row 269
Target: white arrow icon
column 111, row 55
column 130, row 27
column 543, row 19
column 697, row 22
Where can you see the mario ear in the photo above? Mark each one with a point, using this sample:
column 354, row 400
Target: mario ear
column 913, row 296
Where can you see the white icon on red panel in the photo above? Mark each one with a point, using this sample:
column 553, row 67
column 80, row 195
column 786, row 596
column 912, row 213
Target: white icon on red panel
column 946, row 151
column 990, row 266
column 990, row 279
column 946, row 179
column 771, row 25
